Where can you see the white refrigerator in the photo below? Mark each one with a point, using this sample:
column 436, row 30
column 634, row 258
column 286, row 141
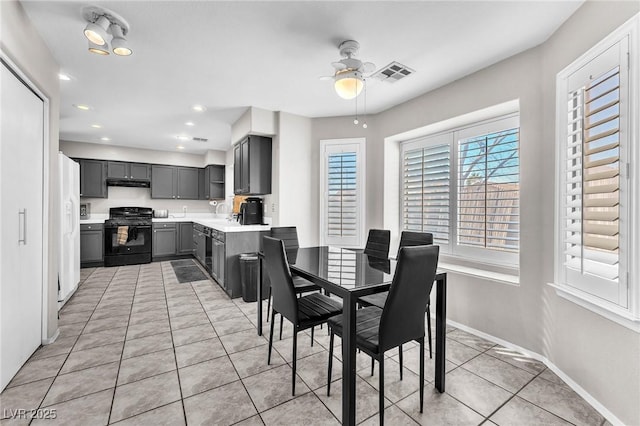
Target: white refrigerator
column 69, row 253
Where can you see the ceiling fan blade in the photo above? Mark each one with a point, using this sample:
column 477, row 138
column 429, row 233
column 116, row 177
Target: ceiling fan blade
column 368, row 67
column 338, row 65
column 326, row 77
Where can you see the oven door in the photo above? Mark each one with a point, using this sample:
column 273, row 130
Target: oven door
column 123, row 240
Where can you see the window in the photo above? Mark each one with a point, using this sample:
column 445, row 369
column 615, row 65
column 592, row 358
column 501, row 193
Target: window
column 342, row 194
column 463, row 187
column 595, row 154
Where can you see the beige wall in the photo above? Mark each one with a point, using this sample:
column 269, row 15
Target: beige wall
column 22, row 44
column 600, row 356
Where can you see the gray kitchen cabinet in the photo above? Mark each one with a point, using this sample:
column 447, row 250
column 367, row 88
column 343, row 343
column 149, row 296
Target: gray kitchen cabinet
column 164, row 239
column 187, row 183
column 91, row 244
column 93, row 183
column 252, row 166
column 199, row 244
column 212, row 182
column 163, row 181
column 124, row 170
column 171, row 182
column 185, row 238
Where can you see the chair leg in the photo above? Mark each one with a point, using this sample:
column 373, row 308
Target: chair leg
column 281, row 319
column 330, row 364
column 269, row 304
column 312, row 336
column 273, row 317
column 381, row 390
column 293, row 374
column 373, row 361
column 400, row 359
column 429, row 330
column 421, row 374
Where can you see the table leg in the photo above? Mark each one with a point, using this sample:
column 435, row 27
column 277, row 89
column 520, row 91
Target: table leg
column 259, row 296
column 348, row 361
column 441, row 329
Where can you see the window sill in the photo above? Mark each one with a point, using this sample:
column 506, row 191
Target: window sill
column 594, row 304
column 480, row 273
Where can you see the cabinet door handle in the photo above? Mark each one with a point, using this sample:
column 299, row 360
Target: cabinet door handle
column 22, row 215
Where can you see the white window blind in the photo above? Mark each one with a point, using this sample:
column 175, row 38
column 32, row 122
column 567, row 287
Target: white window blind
column 593, row 200
column 342, row 192
column 426, row 177
column 343, row 196
column 489, row 191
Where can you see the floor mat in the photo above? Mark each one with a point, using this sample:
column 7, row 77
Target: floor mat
column 187, row 271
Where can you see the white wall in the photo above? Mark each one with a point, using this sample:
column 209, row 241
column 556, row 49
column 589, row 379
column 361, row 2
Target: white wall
column 20, row 41
column 600, row 356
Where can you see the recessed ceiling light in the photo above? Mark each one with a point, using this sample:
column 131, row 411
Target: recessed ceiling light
column 182, row 137
column 64, row 77
column 96, row 126
column 105, row 139
column 179, row 147
column 82, row 107
column 198, row 108
column 190, row 123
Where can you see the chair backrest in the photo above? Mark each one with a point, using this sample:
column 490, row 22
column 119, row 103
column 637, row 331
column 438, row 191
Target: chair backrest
column 411, row 239
column 284, row 296
column 288, row 234
column 378, row 243
column 403, row 313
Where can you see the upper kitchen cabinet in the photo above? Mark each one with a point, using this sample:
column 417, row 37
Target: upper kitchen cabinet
column 172, row 182
column 252, row 166
column 123, row 170
column 93, row 183
column 212, row 182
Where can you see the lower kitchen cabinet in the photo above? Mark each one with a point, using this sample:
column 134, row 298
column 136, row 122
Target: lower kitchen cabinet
column 164, row 239
column 172, row 239
column 91, row 244
column 228, row 257
column 185, row 238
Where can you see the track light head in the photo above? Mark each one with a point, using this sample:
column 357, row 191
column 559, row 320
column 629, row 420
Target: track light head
column 119, row 42
column 96, row 32
column 99, row 50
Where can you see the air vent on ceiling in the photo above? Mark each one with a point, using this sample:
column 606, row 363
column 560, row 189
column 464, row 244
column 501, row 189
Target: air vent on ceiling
column 200, row 139
column 393, row 72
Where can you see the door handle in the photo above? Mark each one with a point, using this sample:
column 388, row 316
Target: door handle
column 22, row 215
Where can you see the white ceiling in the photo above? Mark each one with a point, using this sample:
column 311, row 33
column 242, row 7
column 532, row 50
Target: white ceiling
column 231, row 55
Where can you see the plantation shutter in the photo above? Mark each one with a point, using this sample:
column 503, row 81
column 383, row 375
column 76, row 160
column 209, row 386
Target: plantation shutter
column 426, row 180
column 489, row 191
column 342, row 214
column 593, row 189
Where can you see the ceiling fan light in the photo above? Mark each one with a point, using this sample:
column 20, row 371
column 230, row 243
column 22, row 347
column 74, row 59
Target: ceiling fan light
column 96, row 32
column 119, row 42
column 348, row 85
column 99, row 50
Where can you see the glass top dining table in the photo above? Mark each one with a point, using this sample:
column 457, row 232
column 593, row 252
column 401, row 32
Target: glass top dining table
column 351, row 274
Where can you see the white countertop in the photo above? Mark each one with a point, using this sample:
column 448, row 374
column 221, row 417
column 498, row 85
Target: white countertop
column 208, row 220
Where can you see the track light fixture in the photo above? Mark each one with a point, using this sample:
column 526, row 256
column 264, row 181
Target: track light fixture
column 102, row 23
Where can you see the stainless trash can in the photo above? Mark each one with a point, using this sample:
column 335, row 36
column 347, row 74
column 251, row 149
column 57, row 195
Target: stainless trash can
column 249, row 276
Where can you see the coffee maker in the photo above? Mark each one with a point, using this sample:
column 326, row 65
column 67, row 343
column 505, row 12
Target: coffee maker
column 251, row 211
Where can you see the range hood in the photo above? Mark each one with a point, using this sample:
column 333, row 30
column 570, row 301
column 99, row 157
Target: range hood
column 137, row 183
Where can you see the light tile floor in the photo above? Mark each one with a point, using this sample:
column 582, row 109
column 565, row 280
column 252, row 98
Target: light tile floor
column 136, row 347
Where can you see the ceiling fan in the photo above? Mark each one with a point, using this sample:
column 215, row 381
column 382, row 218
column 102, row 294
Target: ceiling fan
column 349, row 71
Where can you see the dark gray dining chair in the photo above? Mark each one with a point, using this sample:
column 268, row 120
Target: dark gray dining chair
column 401, row 320
column 303, row 312
column 378, row 243
column 407, row 239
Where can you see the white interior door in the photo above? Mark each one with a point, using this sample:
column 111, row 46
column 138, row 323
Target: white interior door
column 21, row 191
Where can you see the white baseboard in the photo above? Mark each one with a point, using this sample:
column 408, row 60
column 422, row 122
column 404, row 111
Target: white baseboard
column 611, row 418
column 51, row 339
